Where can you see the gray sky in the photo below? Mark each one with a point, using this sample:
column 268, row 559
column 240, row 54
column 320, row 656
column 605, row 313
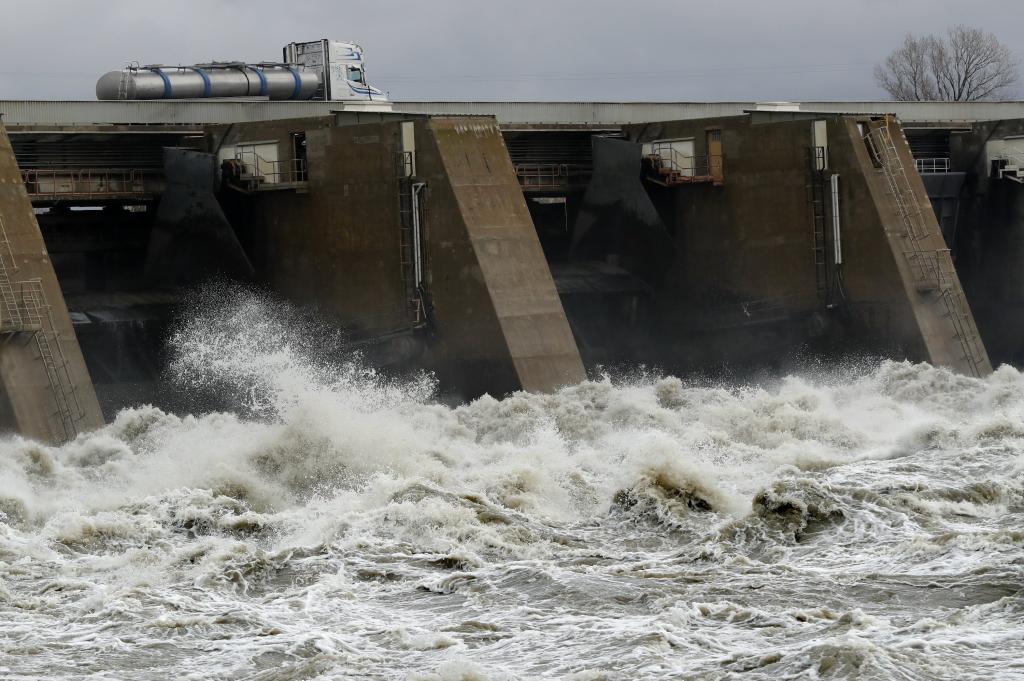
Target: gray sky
column 524, row 50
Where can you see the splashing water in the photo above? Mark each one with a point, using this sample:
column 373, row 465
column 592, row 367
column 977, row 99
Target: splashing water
column 864, row 522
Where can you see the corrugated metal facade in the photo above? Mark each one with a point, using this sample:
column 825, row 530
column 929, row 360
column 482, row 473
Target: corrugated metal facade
column 507, row 113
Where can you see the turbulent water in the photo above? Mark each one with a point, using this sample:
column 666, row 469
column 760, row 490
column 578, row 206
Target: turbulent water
column 855, row 523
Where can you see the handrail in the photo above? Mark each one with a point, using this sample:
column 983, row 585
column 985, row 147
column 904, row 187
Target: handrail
column 1010, row 157
column 272, row 171
column 932, row 165
column 675, row 159
column 683, row 165
column 51, row 354
column 541, row 176
column 405, row 163
column 94, row 183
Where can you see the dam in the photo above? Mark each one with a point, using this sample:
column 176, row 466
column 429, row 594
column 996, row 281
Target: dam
column 506, row 246
column 305, row 374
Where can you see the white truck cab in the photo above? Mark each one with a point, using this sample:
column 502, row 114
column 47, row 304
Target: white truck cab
column 340, row 67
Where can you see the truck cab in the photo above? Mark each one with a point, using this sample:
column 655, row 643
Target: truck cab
column 340, row 67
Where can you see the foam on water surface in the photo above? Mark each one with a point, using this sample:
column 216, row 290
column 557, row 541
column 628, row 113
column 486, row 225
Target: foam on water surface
column 859, row 522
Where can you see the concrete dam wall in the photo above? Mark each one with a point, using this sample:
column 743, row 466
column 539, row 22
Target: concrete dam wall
column 498, row 260
column 756, row 263
column 465, row 290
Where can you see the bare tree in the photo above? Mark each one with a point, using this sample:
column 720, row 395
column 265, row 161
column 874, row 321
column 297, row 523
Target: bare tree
column 967, row 65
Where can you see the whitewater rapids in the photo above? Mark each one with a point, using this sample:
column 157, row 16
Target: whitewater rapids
column 863, row 522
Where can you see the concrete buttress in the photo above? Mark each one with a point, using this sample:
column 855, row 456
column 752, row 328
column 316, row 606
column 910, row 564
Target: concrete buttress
column 47, row 393
column 463, row 289
column 932, row 288
column 487, row 265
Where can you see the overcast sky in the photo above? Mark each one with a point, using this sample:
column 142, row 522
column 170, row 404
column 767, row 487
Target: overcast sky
column 668, row 50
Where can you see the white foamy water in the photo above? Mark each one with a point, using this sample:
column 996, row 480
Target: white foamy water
column 864, row 522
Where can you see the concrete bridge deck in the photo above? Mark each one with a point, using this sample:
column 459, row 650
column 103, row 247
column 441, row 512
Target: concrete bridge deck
column 508, row 114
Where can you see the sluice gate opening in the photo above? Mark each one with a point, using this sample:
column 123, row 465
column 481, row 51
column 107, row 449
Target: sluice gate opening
column 95, row 193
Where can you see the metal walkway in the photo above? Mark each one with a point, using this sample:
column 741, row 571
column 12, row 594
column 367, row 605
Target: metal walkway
column 94, row 184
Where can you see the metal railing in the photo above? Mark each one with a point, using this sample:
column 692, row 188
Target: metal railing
column 33, row 304
column 818, row 158
column 98, row 183
column 405, row 163
column 1010, row 156
column 24, row 308
column 549, row 175
column 932, row 165
column 411, row 251
column 1013, row 163
column 669, row 156
column 681, row 168
column 258, row 171
column 10, row 311
column 817, row 204
column 38, row 317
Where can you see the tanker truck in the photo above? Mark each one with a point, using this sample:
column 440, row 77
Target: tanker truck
column 318, row 70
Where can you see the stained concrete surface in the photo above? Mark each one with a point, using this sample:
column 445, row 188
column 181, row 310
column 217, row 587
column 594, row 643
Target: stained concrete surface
column 486, row 263
column 28, row 404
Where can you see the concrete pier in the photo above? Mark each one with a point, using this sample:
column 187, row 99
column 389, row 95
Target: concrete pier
column 757, row 267
column 47, row 393
column 415, row 233
column 500, row 287
column 929, row 283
